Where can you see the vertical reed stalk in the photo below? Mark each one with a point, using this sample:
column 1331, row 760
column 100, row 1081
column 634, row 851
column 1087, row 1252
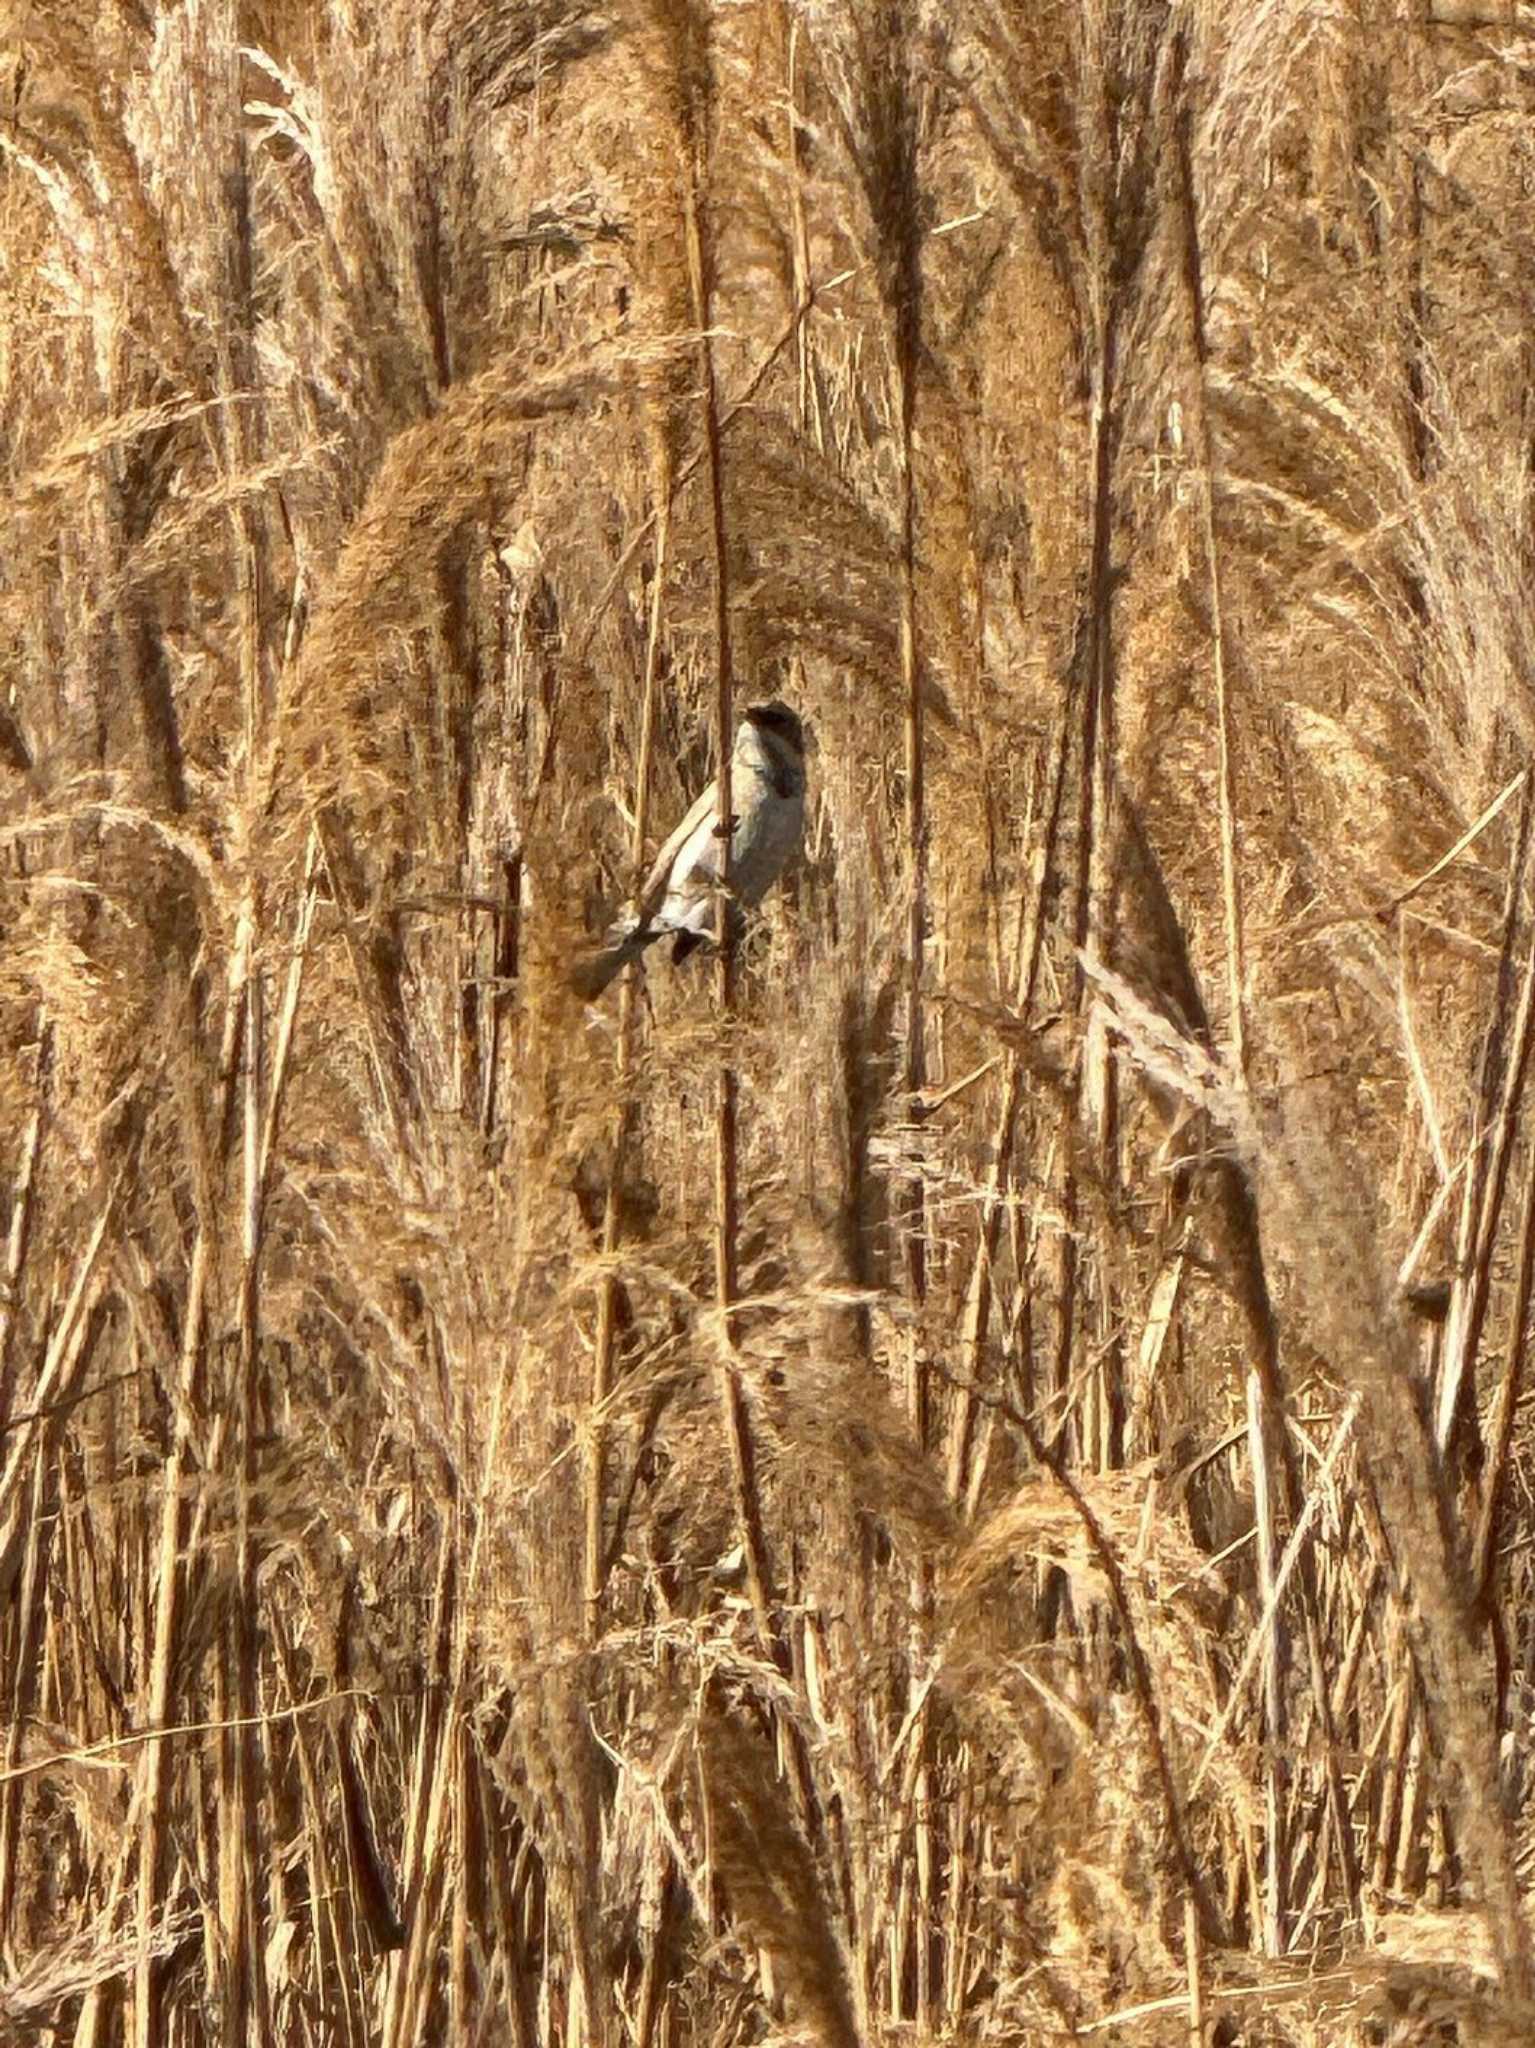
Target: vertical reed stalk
column 625, row 1119
column 736, row 1419
column 1206, row 456
column 1510, row 1042
column 19, row 1236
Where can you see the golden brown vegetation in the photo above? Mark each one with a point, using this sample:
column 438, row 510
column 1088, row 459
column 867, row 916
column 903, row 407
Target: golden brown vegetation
column 965, row 1473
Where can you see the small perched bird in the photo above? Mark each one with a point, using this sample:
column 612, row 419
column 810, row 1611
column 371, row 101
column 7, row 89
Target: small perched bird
column 767, row 796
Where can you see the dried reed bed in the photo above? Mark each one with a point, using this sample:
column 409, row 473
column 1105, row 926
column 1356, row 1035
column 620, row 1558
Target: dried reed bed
column 966, row 1473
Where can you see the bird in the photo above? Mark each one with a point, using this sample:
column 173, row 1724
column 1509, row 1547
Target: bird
column 767, row 797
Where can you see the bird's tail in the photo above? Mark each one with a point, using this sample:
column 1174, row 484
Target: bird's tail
column 591, row 972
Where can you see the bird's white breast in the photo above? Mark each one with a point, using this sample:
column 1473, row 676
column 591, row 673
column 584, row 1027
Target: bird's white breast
column 768, row 829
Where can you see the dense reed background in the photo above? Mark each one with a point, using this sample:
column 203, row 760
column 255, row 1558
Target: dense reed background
column 964, row 1474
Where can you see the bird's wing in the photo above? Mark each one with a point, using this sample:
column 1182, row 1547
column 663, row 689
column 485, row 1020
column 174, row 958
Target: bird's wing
column 653, row 895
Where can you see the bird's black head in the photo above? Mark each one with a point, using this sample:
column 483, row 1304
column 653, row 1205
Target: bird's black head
column 778, row 718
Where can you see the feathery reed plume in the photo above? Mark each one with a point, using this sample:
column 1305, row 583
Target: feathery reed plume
column 770, row 1879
